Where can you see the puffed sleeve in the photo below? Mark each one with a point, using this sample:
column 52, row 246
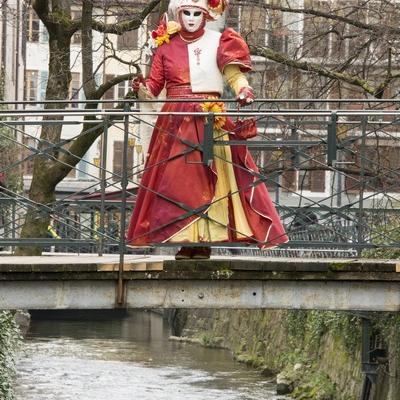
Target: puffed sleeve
column 156, row 80
column 233, row 50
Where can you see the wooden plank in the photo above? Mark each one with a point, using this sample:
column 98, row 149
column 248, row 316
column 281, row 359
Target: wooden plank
column 131, row 267
column 127, row 267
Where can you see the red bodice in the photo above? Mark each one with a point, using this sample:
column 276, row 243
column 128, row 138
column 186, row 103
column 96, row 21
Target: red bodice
column 170, row 66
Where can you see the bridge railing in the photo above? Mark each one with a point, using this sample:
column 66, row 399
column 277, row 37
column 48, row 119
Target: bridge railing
column 332, row 168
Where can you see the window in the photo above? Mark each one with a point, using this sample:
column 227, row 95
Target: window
column 121, row 90
column 74, row 89
column 277, row 33
column 316, row 36
column 128, row 40
column 31, row 85
column 303, row 169
column 381, row 168
column 253, row 25
column 117, row 159
column 32, row 26
column 312, row 170
column 76, row 37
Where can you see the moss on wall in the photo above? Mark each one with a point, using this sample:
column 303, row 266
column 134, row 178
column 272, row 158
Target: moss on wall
column 318, row 350
column 10, row 339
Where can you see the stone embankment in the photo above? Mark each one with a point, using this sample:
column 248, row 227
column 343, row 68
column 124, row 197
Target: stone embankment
column 312, row 355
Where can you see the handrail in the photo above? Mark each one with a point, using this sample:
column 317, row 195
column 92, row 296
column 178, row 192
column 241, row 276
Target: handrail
column 358, row 208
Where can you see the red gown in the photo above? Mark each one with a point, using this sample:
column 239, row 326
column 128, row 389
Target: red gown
column 175, row 181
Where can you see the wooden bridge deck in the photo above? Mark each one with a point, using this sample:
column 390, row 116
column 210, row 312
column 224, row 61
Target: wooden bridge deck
column 86, row 281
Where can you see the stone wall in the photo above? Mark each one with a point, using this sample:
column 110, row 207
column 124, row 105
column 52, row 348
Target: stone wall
column 318, row 353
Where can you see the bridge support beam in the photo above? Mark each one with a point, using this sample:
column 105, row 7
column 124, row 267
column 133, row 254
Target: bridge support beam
column 221, row 293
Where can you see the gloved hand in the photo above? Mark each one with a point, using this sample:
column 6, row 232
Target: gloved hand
column 245, row 96
column 136, row 82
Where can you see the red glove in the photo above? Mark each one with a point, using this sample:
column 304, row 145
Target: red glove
column 136, row 82
column 245, row 96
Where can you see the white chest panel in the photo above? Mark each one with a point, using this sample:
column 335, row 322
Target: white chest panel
column 205, row 75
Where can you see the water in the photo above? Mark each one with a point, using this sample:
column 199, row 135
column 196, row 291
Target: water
column 126, row 359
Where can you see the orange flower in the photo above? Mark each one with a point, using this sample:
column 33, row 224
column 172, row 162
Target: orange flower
column 163, row 32
column 215, row 107
column 160, row 35
column 217, row 7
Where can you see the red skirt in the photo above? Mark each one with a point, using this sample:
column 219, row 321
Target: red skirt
column 177, row 188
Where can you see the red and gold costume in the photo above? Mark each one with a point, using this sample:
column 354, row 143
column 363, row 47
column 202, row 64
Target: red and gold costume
column 180, row 199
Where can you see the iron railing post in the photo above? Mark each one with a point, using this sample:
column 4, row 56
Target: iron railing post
column 360, row 219
column 294, row 135
column 124, row 185
column 14, row 224
column 332, row 139
column 208, row 151
column 103, row 178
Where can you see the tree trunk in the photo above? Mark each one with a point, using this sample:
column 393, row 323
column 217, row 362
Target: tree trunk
column 42, row 190
column 52, row 165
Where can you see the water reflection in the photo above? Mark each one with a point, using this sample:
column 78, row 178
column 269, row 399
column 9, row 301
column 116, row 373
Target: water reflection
column 129, row 358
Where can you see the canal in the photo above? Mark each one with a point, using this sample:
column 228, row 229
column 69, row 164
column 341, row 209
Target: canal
column 128, row 358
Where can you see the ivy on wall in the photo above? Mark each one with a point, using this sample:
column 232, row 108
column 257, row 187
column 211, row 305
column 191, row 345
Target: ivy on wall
column 10, row 339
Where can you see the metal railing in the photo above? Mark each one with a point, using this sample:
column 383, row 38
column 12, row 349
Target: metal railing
column 332, row 168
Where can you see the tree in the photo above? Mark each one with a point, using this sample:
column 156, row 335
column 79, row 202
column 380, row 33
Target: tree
column 52, row 166
column 350, row 48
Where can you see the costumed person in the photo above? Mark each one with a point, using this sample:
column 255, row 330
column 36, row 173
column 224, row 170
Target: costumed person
column 180, row 199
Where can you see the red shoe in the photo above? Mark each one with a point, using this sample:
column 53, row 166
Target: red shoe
column 185, row 253
column 201, row 253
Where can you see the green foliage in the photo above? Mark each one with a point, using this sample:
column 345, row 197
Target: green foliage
column 10, row 339
column 388, row 325
column 318, row 386
column 250, row 360
column 309, row 382
column 311, row 326
column 288, row 359
column 208, row 339
column 385, row 234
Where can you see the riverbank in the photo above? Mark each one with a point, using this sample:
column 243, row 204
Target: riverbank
column 316, row 355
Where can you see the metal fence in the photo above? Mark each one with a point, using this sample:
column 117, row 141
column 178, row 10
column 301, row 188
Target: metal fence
column 332, row 168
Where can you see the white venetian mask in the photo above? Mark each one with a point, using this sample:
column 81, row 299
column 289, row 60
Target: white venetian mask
column 192, row 19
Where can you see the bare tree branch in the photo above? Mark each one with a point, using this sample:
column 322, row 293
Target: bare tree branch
column 377, row 28
column 129, row 25
column 313, row 67
column 110, row 83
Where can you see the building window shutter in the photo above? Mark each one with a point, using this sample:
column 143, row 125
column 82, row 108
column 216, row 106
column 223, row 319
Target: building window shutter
column 289, row 175
column 117, row 159
column 31, row 85
column 128, row 40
